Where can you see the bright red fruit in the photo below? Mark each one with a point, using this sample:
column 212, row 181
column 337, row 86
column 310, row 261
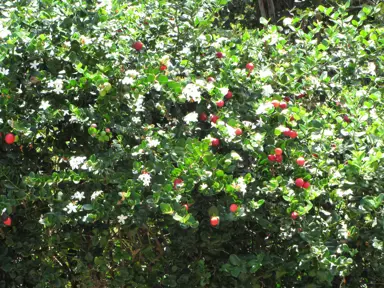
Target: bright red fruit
column 287, row 99
column 294, row 215
column 215, row 142
column 214, row 118
column 211, row 79
column 220, row 103
column 186, row 207
column 10, row 138
column 346, row 119
column 283, row 105
column 238, row 132
column 275, row 103
column 163, row 67
column 300, row 161
column 203, row 117
column 137, row 45
column 279, row 158
column 306, row 185
column 215, row 221
column 287, row 132
column 278, row 151
column 229, row 95
column 272, row 158
column 8, row 221
column 250, row 66
column 233, row 208
column 219, row 55
column 293, row 134
column 299, row 182
column 177, row 183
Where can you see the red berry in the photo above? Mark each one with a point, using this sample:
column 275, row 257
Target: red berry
column 10, row 138
column 287, row 99
column 211, row 79
column 215, row 221
column 315, row 155
column 272, row 158
column 275, row 103
column 215, row 142
column 203, row 117
column 346, row 119
column 219, row 55
column 300, row 161
column 293, row 134
column 137, row 45
column 233, row 208
column 177, row 183
column 299, row 182
column 287, row 132
column 107, row 130
column 306, row 185
column 278, row 151
column 291, row 118
column 238, row 132
column 300, row 229
column 294, row 215
column 214, row 118
column 186, row 207
column 8, row 221
column 220, row 103
column 283, row 105
column 250, row 66
column 229, row 95
column 163, row 67
column 279, row 158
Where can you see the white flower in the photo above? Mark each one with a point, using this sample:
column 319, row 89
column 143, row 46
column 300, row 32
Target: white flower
column 153, row 142
column 236, row 156
column 75, row 162
column 85, row 40
column 260, row 122
column 240, row 185
column 70, row 208
column 57, row 85
column 266, row 73
column 191, row 93
column 44, row 105
column 287, row 21
column 191, row 117
column 267, row 90
column 157, row 86
column 136, row 120
column 35, row 65
column 224, row 90
column 4, row 71
column 263, row 108
column 128, row 81
column 145, row 178
column 122, row 219
column 96, row 194
column 4, row 32
column 79, row 196
column 203, row 186
column 132, row 73
column 139, row 103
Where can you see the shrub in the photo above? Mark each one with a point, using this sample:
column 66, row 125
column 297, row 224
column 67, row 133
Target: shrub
column 116, row 180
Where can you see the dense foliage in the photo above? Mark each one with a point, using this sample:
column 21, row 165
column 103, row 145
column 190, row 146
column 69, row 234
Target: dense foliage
column 139, row 124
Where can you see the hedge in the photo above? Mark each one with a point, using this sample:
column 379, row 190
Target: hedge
column 143, row 145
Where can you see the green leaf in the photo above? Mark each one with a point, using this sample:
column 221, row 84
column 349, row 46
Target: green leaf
column 166, row 208
column 235, row 260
